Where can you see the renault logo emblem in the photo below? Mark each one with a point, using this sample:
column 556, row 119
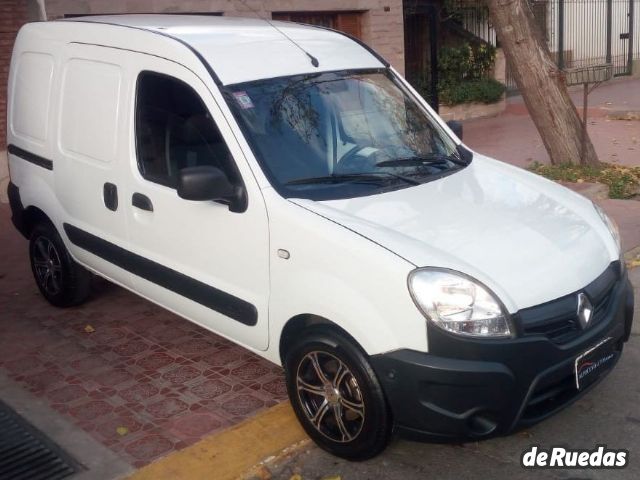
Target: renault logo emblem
column 585, row 310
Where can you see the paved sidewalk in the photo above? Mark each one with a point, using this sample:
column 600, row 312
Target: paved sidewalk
column 619, row 94
column 513, row 138
column 626, row 214
column 139, row 380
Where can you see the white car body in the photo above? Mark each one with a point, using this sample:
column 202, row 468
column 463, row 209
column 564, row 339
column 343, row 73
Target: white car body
column 526, row 238
column 265, row 269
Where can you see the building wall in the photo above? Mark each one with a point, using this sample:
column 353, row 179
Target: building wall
column 13, row 13
column 382, row 20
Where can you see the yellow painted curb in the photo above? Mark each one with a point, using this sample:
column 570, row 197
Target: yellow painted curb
column 228, row 454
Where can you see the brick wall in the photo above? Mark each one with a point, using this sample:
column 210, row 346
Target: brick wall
column 13, row 14
column 382, row 22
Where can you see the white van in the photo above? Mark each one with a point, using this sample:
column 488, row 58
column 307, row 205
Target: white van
column 282, row 186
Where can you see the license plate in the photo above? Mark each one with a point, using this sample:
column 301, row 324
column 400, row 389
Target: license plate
column 592, row 363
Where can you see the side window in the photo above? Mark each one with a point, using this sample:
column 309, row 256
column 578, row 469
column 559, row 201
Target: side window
column 174, row 130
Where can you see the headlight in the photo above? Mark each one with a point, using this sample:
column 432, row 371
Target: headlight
column 611, row 225
column 458, row 304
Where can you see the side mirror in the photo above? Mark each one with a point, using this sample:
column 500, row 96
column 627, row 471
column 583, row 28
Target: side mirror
column 204, row 183
column 456, row 127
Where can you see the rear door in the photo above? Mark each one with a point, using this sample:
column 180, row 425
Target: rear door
column 91, row 153
column 196, row 258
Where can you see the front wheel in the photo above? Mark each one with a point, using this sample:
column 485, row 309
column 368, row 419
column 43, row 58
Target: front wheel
column 336, row 396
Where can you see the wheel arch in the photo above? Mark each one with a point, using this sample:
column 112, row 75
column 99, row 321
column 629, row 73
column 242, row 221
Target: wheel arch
column 295, row 325
column 32, row 216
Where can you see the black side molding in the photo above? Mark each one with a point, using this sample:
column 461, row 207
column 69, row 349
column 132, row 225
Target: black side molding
column 30, row 157
column 195, row 290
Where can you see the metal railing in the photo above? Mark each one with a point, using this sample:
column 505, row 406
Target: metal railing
column 579, row 33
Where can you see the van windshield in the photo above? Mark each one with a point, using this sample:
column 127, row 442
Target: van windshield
column 341, row 134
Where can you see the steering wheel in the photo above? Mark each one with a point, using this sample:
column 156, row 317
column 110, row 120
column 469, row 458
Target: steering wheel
column 361, row 159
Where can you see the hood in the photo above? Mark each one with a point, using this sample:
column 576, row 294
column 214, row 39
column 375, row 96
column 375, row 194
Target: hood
column 528, row 239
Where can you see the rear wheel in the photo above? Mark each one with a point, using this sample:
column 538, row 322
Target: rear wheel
column 61, row 280
column 336, row 395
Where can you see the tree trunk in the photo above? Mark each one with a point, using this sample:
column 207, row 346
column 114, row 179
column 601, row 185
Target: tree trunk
column 541, row 83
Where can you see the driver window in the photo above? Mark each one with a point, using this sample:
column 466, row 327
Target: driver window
column 174, row 130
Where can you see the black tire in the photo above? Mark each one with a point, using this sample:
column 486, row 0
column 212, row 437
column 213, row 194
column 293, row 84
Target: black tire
column 340, row 430
column 60, row 279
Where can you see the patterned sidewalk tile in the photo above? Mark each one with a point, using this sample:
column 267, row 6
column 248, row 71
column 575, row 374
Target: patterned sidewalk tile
column 137, row 378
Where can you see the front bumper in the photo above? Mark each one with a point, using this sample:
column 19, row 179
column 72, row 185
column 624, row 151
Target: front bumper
column 468, row 388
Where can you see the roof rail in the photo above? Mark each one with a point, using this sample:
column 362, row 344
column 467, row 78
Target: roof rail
column 379, row 57
column 204, row 62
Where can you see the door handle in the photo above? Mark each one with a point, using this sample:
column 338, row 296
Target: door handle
column 110, row 196
column 142, row 202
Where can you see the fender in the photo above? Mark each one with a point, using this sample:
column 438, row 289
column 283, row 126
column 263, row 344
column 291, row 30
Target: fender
column 330, row 274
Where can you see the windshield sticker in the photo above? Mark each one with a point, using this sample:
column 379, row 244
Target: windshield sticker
column 243, row 100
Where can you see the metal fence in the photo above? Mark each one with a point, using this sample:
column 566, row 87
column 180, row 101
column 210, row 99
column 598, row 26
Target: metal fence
column 473, row 15
column 592, row 32
column 579, row 32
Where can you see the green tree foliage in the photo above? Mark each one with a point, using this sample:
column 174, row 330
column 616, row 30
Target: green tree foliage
column 465, row 74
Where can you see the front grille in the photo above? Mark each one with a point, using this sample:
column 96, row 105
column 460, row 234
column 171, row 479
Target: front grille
column 558, row 320
column 560, row 331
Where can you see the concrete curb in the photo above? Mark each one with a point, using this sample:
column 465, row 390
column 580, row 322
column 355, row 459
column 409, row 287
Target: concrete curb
column 632, row 258
column 632, row 115
column 229, row 454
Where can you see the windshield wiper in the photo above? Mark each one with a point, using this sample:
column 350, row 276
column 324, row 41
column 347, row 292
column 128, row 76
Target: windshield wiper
column 416, row 161
column 357, row 177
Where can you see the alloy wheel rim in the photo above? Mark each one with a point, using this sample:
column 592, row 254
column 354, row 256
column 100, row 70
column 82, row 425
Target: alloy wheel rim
column 47, row 264
column 330, row 396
